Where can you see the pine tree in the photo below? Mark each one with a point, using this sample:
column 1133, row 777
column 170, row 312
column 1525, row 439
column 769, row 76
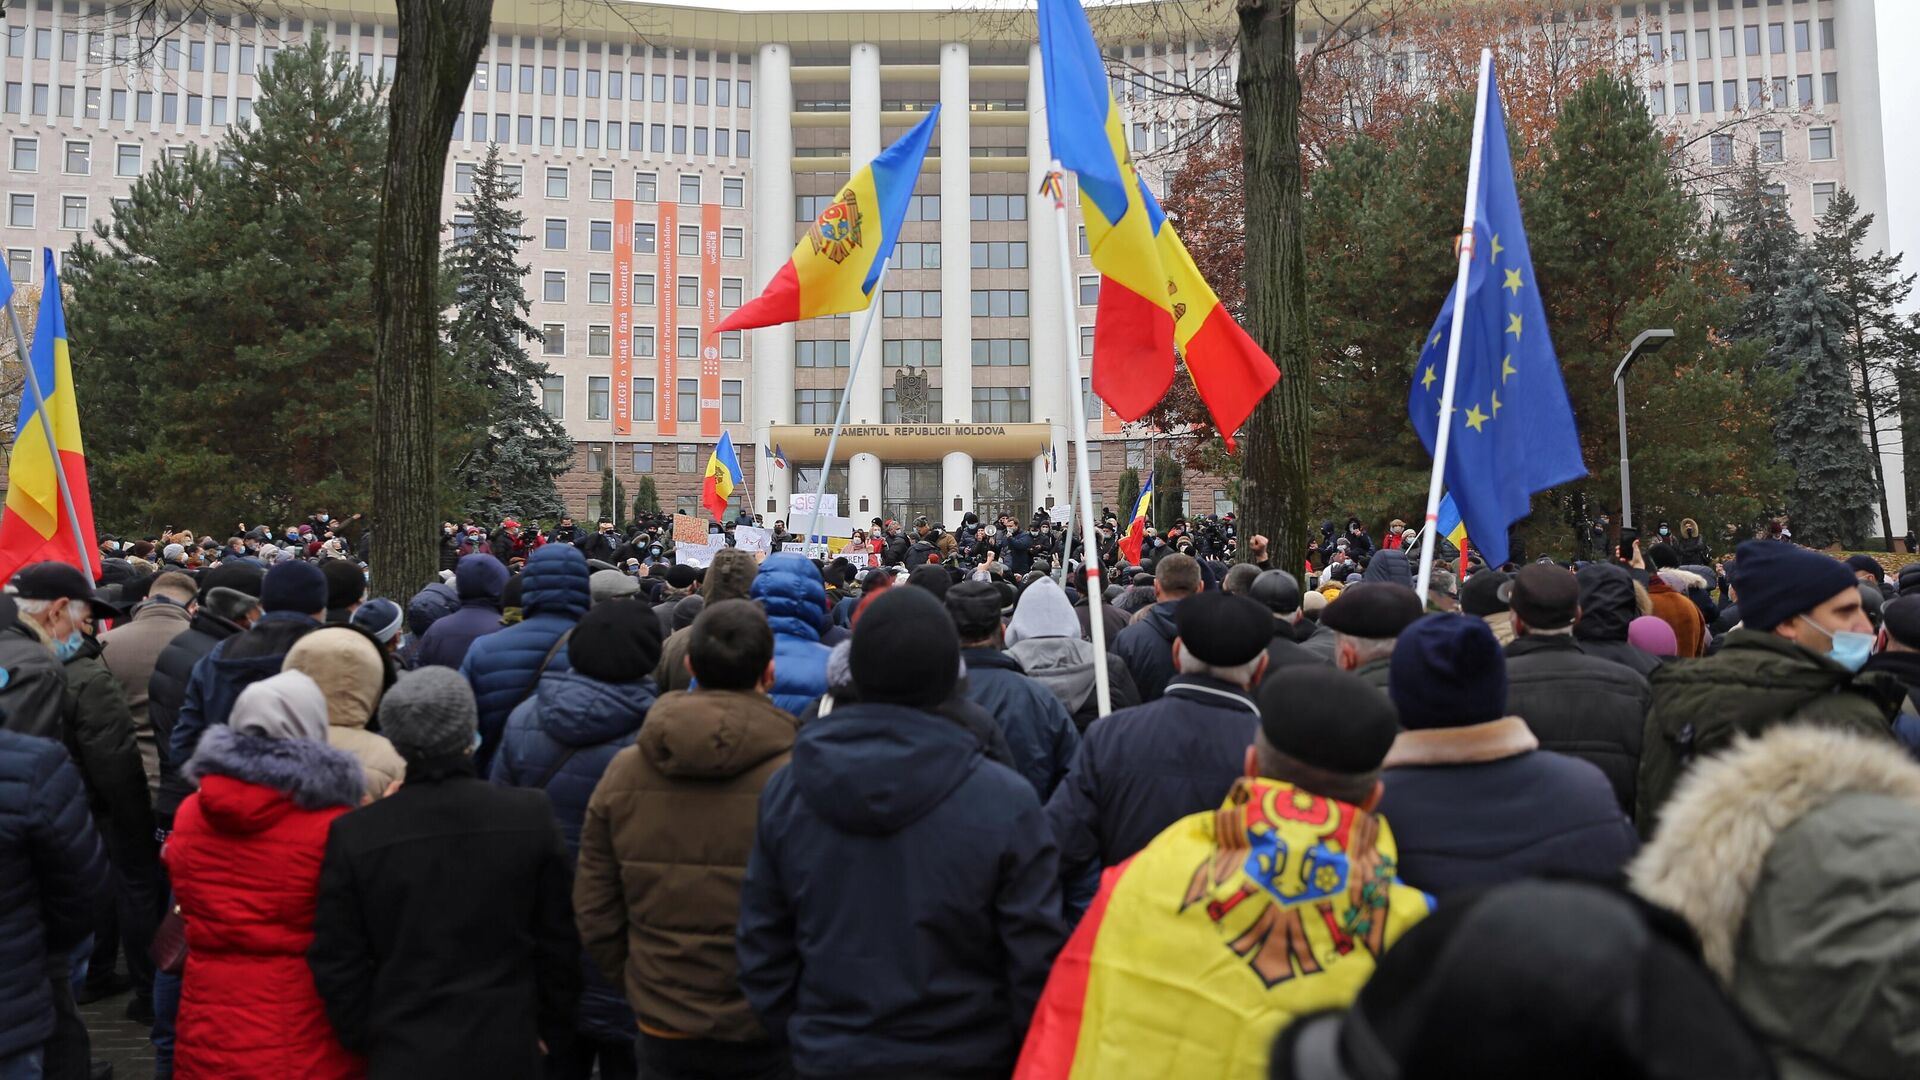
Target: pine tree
column 1169, row 489
column 1879, row 340
column 1766, row 247
column 510, row 469
column 1818, row 426
column 646, row 498
column 1129, row 495
column 219, row 321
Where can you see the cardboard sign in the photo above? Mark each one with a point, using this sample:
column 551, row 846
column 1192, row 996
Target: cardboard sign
column 688, row 529
column 800, row 507
column 749, row 538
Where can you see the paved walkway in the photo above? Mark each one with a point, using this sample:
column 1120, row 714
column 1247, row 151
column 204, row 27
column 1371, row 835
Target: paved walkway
column 119, row 1040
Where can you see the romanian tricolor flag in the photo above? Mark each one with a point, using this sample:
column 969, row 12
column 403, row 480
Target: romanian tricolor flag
column 837, row 264
column 1136, row 533
column 35, row 525
column 1153, row 298
column 723, row 475
column 1450, row 525
column 1223, row 930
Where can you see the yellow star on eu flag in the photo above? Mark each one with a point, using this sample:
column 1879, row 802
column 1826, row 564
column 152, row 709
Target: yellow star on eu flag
column 1434, row 340
column 1496, row 404
column 1513, row 324
column 1507, row 368
column 1475, row 418
column 1497, row 249
column 1513, row 282
column 1426, row 381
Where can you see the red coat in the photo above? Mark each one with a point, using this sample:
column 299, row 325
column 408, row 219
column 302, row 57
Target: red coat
column 245, row 862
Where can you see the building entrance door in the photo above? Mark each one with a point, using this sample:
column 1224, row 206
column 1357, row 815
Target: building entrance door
column 1003, row 489
column 909, row 492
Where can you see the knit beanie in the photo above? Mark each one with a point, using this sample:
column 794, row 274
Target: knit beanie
column 616, row 642
column 1652, row 634
column 905, row 650
column 297, row 586
column 429, row 713
column 379, row 617
column 346, row 584
column 1448, row 671
column 1777, row 581
column 289, row 705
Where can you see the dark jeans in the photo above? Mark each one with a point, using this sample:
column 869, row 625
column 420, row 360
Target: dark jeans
column 68, row 1051
column 125, row 915
column 575, row 1061
column 711, row 1059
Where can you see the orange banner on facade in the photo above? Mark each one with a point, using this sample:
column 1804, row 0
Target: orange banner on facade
column 667, row 244
column 709, row 320
column 623, row 317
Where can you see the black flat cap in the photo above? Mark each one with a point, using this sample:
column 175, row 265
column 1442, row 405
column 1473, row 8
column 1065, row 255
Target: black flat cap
column 1544, row 596
column 1374, row 610
column 1327, row 718
column 1482, row 594
column 1223, row 629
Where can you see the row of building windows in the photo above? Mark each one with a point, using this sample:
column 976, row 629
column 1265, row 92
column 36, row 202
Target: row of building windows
column 553, row 399
column 553, row 342
column 927, row 207
column 504, row 78
column 1680, row 99
column 600, row 184
column 914, row 352
column 1737, row 41
column 1772, row 146
column 509, row 129
column 169, row 54
column 553, row 289
column 555, row 231
column 72, row 103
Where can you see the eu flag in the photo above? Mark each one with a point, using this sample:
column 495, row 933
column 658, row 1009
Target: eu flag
column 1513, row 431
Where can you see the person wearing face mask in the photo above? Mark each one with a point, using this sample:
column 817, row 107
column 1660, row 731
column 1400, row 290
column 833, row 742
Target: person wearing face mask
column 1797, row 656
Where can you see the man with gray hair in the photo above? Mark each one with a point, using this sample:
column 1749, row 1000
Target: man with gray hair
column 1141, row 769
column 1366, row 621
column 445, row 909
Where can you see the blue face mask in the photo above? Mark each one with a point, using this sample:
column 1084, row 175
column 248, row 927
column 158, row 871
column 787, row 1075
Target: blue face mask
column 64, row 650
column 1849, row 648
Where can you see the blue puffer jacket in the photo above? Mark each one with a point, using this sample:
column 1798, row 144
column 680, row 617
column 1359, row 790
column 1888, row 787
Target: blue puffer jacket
column 51, row 866
column 594, row 720
column 503, row 667
column 478, row 580
column 790, row 589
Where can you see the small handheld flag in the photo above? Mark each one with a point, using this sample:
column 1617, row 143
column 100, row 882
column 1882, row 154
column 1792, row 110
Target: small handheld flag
column 1510, row 426
column 723, row 476
column 836, row 265
column 1137, row 527
column 1450, row 525
column 49, row 508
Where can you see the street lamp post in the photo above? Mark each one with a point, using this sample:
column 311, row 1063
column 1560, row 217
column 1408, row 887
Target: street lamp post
column 1648, row 341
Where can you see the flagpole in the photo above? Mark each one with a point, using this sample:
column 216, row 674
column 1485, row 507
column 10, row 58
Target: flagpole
column 1077, row 414
column 46, row 427
column 846, row 397
column 1461, row 276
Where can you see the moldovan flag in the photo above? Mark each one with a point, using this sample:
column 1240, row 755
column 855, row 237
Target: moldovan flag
column 1153, row 299
column 723, row 475
column 34, row 526
column 1137, row 527
column 837, row 264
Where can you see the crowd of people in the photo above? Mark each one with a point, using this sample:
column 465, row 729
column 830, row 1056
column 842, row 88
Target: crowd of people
column 576, row 809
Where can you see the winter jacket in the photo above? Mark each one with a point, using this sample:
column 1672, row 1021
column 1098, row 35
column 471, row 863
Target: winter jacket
column 443, row 941
column 1692, row 547
column 99, row 734
column 130, row 651
column 892, row 813
column 1064, row 666
column 244, row 859
column 1482, row 804
column 502, row 668
column 1017, row 550
column 428, row 606
column 1038, row 729
column 1147, row 647
column 51, row 869
column 350, row 672
column 1285, row 649
column 1389, row 567
column 233, row 665
column 167, row 689
column 729, row 578
column 560, row 741
column 790, row 589
column 1795, row 858
column 34, row 698
column 1756, row 681
column 1607, row 608
column 663, row 856
column 1142, row 769
column 958, row 708
column 1672, row 607
column 1580, row 706
column 478, row 582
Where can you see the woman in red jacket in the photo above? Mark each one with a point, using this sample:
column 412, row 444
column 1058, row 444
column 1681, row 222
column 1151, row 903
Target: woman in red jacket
column 245, row 860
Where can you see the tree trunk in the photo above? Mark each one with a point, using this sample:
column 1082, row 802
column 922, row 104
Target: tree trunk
column 440, row 41
column 1864, row 361
column 1273, row 484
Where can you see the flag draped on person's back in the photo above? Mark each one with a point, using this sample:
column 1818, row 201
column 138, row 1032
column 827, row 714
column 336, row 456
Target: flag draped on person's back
column 837, row 264
column 723, row 476
column 1136, row 533
column 1513, row 430
column 35, row 526
column 1153, row 299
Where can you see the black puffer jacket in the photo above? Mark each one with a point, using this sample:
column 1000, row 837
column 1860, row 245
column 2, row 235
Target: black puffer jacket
column 167, row 688
column 1581, row 706
column 1606, row 608
column 51, row 867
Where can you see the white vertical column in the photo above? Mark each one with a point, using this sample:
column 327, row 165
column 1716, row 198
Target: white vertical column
column 1046, row 310
column 863, row 470
column 956, row 238
column 956, row 488
column 772, row 232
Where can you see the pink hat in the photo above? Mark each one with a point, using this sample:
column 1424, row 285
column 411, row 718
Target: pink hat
column 1654, row 635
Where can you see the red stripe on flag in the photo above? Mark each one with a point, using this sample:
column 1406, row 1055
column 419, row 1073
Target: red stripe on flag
column 20, row 544
column 711, row 498
column 778, row 303
column 1054, row 1035
column 1231, row 373
column 1132, row 361
column 1130, row 543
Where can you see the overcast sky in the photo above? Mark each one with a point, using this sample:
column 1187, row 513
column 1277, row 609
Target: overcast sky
column 1898, row 23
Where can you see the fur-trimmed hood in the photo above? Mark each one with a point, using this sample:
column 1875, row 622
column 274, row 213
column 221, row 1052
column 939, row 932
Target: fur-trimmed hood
column 1796, row 859
column 311, row 775
column 1681, row 581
